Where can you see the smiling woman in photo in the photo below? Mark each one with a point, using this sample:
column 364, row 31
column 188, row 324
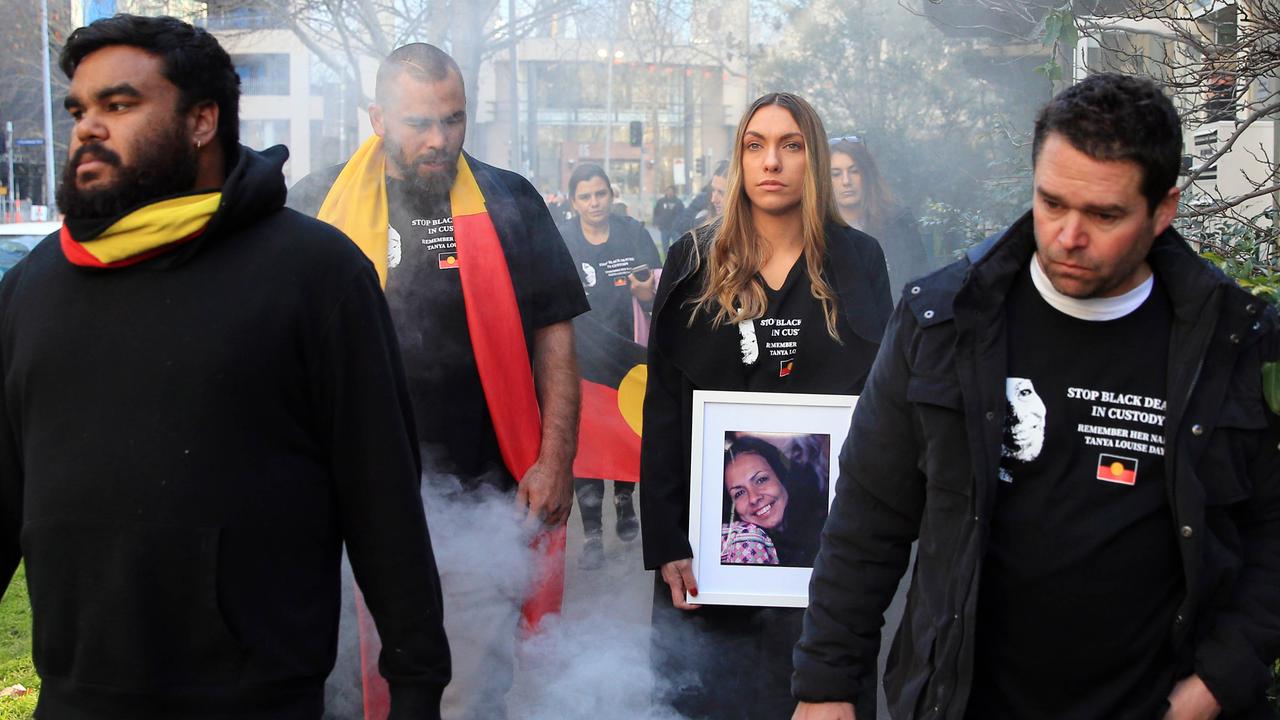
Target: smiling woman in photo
column 773, row 511
column 778, row 295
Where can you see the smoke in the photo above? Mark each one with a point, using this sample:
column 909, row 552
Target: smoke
column 589, row 662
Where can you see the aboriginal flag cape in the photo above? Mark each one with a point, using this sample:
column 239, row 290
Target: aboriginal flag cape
column 613, row 381
column 140, row 234
column 357, row 205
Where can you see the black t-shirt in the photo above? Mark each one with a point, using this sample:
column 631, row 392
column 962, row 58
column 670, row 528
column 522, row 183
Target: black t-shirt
column 424, row 291
column 1082, row 575
column 605, row 269
column 793, row 316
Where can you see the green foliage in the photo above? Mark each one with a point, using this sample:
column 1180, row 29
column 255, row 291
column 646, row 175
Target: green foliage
column 933, row 115
column 15, row 650
column 1273, row 693
column 1247, row 249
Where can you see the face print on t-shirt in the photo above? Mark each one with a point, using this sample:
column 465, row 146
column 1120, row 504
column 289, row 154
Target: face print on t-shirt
column 1024, row 427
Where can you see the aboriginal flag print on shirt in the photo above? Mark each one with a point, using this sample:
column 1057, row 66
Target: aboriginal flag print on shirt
column 1116, row 469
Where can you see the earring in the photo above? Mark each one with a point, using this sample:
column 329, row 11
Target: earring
column 198, row 144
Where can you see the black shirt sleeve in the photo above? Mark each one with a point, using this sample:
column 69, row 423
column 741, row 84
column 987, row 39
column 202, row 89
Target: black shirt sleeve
column 552, row 289
column 308, row 194
column 365, row 414
column 646, row 251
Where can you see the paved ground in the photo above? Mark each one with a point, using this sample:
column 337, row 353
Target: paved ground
column 590, row 663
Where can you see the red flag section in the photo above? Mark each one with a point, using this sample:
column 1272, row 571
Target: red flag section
column 498, row 341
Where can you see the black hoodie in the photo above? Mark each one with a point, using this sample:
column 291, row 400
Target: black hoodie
column 185, row 446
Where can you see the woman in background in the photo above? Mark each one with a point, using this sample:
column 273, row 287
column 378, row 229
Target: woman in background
column 866, row 204
column 615, row 257
column 780, row 253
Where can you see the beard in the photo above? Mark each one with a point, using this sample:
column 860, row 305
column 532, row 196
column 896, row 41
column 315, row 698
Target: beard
column 425, row 185
column 164, row 164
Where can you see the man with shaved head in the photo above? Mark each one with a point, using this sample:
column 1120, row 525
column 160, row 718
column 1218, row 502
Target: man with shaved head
column 482, row 291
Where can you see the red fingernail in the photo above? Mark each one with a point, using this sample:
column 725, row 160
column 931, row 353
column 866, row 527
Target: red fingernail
column 694, row 592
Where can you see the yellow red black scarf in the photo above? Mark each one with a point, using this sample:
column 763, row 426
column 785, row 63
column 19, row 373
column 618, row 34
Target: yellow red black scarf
column 141, row 234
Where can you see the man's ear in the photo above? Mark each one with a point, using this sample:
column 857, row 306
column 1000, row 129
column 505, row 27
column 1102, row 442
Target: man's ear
column 203, row 121
column 376, row 120
column 1167, row 210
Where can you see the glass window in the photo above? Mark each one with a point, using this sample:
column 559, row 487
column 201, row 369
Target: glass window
column 263, row 73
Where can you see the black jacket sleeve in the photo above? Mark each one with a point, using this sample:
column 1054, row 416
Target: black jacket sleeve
column 365, row 413
column 867, row 539
column 10, row 486
column 1235, row 656
column 664, row 450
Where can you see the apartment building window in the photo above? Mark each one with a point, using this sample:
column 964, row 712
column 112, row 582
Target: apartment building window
column 263, row 73
column 260, row 134
column 1206, row 144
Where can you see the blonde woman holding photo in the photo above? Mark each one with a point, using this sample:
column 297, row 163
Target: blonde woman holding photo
column 780, row 258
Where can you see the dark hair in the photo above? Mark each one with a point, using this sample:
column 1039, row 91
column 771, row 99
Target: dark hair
column 192, row 60
column 422, row 61
column 878, row 203
column 747, row 445
column 585, row 172
column 721, row 169
column 1110, row 117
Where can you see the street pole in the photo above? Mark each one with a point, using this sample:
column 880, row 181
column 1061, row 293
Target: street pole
column 516, row 159
column 48, row 108
column 8, row 152
column 608, row 89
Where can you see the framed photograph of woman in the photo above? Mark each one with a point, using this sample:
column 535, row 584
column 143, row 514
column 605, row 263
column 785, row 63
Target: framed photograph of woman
column 762, row 474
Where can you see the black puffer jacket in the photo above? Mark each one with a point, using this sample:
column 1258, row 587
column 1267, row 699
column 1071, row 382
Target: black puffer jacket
column 922, row 460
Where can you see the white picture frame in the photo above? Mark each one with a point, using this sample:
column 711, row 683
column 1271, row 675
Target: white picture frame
column 785, row 420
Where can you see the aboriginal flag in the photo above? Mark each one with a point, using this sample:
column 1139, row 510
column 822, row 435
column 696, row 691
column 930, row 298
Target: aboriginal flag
column 1117, row 469
column 613, row 378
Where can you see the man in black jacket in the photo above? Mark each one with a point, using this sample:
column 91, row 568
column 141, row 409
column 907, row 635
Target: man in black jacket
column 202, row 403
column 1072, row 421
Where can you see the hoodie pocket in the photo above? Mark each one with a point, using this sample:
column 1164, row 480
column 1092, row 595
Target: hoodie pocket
column 132, row 608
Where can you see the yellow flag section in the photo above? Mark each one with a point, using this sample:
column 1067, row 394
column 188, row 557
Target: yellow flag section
column 144, row 232
column 357, row 202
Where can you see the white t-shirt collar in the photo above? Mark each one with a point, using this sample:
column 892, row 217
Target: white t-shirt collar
column 1091, row 309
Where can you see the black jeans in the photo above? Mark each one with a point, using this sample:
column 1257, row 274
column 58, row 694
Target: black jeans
column 590, row 492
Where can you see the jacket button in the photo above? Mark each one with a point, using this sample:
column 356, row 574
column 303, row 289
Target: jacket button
column 915, row 289
column 1256, row 327
column 928, row 314
column 990, row 416
column 1179, row 620
column 1235, row 338
column 1187, row 531
column 1197, row 430
column 1251, row 308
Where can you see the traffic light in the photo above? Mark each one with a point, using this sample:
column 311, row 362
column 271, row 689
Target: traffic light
column 637, row 133
column 700, row 165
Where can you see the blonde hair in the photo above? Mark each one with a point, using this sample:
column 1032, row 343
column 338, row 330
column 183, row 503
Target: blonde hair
column 731, row 292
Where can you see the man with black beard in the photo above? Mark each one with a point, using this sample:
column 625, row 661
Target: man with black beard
column 482, row 291
column 201, row 404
